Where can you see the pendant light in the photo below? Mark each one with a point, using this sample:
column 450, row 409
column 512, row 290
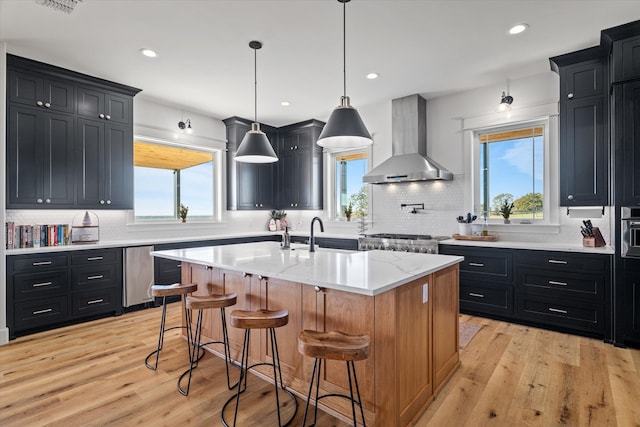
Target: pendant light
column 255, row 146
column 345, row 128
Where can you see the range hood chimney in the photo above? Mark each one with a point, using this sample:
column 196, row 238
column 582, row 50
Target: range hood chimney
column 408, row 161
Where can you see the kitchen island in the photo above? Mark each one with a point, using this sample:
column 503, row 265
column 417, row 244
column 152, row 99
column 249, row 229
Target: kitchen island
column 406, row 302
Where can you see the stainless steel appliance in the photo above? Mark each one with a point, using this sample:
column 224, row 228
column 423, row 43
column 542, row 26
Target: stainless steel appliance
column 138, row 276
column 630, row 230
column 424, row 243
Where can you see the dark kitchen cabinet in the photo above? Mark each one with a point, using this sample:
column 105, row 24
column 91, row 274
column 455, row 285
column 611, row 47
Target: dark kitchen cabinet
column 627, row 139
column 39, row 158
column 250, row 186
column 104, row 156
column 45, row 291
column 100, row 105
column 584, row 142
column 40, row 92
column 631, row 303
column 626, row 59
column 300, row 166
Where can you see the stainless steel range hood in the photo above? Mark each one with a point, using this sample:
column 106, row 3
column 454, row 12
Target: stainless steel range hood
column 408, row 161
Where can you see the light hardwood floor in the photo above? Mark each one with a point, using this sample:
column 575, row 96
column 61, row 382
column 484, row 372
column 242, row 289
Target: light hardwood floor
column 511, row 375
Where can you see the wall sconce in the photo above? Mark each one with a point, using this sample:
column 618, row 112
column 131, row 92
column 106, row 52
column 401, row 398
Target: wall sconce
column 186, row 126
column 505, row 102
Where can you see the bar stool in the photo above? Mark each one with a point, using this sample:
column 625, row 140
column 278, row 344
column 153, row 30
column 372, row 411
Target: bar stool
column 333, row 345
column 165, row 291
column 261, row 319
column 201, row 303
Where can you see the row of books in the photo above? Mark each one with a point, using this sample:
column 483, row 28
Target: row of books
column 35, row 236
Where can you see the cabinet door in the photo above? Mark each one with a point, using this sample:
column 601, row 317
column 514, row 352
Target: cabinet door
column 444, row 292
column 39, row 158
column 626, row 59
column 117, row 108
column 28, row 89
column 118, row 167
column 583, row 80
column 90, row 164
column 90, row 103
column 628, row 128
column 583, row 152
column 229, row 282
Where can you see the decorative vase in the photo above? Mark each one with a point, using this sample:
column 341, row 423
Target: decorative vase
column 507, row 221
column 272, row 225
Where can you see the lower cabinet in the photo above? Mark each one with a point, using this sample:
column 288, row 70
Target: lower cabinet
column 45, row 291
column 565, row 291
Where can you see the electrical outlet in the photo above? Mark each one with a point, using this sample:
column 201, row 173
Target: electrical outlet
column 425, row 293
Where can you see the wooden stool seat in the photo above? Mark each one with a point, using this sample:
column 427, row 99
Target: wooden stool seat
column 172, row 290
column 260, row 319
column 335, row 345
column 197, row 302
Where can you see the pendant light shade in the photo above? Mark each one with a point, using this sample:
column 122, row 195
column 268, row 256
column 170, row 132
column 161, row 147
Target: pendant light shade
column 345, row 128
column 255, row 146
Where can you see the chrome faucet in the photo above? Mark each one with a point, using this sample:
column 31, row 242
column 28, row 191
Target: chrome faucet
column 312, row 239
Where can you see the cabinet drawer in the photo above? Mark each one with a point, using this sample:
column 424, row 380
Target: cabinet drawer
column 564, row 313
column 486, row 299
column 562, row 284
column 93, row 276
column 39, row 263
column 563, row 261
column 93, row 257
column 40, row 285
column 167, row 271
column 94, row 302
column 32, row 314
column 482, row 264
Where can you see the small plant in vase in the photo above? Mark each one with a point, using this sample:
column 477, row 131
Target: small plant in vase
column 182, row 212
column 506, row 209
column 278, row 220
column 348, row 211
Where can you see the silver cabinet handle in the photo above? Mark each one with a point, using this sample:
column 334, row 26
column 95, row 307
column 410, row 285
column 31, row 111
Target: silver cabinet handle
column 35, row 264
column 95, row 301
column 245, row 274
column 47, row 200
column 99, row 276
column 102, row 202
column 95, row 258
column 570, row 96
column 37, row 285
column 48, row 310
column 557, row 310
column 179, row 266
column 570, row 197
column 318, row 289
column 48, row 105
column 553, row 282
column 476, row 264
column 261, row 277
column 472, row 294
column 557, row 261
column 101, row 115
column 108, row 202
column 39, row 200
column 108, row 117
column 39, row 103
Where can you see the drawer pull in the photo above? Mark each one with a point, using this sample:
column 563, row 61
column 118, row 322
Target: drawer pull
column 48, row 310
column 179, row 266
column 476, row 264
column 37, row 285
column 95, row 301
column 557, row 310
column 557, row 261
column 99, row 276
column 473, row 294
column 35, row 264
column 95, row 258
column 553, row 282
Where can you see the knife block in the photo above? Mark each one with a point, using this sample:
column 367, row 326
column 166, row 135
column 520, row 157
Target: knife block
column 596, row 241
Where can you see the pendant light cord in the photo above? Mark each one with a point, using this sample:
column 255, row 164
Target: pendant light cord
column 344, row 47
column 255, row 85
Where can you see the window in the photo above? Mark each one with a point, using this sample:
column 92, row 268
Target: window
column 166, row 176
column 511, row 167
column 349, row 188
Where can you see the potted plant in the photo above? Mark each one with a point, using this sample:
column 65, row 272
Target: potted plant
column 278, row 221
column 348, row 211
column 182, row 212
column 506, row 209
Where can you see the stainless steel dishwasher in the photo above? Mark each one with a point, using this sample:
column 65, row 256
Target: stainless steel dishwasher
column 138, row 275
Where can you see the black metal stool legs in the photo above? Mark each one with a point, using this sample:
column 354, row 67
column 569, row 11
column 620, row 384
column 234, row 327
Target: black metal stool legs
column 315, row 377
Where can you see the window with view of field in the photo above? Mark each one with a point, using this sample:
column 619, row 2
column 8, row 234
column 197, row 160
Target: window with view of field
column 512, row 172
column 349, row 189
column 167, row 176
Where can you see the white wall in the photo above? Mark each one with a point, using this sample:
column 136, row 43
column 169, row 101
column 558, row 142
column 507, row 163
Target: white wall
column 4, row 331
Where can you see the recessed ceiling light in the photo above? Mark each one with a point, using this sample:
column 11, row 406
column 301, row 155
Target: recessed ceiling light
column 285, row 103
column 517, row 29
column 372, row 76
column 150, row 53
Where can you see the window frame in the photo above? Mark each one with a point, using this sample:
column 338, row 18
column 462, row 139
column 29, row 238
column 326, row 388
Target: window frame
column 331, row 196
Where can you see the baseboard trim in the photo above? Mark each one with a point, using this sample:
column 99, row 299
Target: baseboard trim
column 4, row 336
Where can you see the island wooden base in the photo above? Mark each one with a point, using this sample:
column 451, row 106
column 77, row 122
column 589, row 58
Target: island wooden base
column 413, row 330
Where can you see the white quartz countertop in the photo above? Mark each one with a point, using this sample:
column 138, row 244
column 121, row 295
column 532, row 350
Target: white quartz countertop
column 367, row 273
column 536, row 246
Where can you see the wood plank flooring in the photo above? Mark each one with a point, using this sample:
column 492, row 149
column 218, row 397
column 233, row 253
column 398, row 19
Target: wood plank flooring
column 511, row 375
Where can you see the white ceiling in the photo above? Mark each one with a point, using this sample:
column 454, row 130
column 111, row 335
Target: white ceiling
column 432, row 47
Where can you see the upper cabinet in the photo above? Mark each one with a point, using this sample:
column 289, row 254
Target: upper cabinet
column 584, row 113
column 293, row 182
column 69, row 139
column 300, row 166
column 626, row 59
